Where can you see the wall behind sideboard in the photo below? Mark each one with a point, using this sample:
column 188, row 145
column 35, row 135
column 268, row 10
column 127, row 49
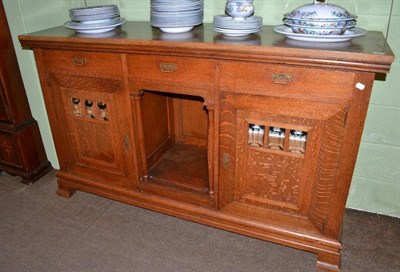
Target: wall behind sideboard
column 376, row 181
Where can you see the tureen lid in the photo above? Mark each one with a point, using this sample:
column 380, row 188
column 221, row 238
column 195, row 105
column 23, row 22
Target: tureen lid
column 320, row 10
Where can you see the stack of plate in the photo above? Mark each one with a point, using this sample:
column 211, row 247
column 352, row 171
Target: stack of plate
column 235, row 28
column 176, row 16
column 95, row 19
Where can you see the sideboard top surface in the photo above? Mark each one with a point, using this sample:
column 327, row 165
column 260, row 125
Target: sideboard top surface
column 368, row 53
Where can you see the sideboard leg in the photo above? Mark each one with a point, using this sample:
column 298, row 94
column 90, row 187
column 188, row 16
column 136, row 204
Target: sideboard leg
column 65, row 191
column 328, row 262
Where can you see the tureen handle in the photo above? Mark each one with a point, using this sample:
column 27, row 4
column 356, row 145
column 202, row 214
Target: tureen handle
column 320, row 1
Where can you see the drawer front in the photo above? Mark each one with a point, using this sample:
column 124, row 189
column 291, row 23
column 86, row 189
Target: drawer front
column 80, row 62
column 172, row 70
column 287, row 81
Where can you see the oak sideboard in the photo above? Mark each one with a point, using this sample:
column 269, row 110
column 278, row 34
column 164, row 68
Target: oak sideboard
column 257, row 135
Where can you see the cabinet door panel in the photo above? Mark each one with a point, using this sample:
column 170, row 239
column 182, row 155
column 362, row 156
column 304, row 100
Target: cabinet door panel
column 93, row 134
column 271, row 179
column 280, row 172
column 94, row 111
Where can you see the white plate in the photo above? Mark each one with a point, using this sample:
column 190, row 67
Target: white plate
column 176, row 6
column 94, row 17
column 89, row 29
column 227, row 18
column 348, row 35
column 173, row 14
column 174, row 1
column 91, row 24
column 176, row 29
column 238, row 27
column 236, row 33
column 226, row 30
column 227, row 22
column 179, row 25
column 93, row 10
column 100, row 21
column 96, row 31
column 161, row 23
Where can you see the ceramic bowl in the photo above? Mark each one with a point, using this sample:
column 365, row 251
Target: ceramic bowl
column 239, row 9
column 321, row 24
column 320, row 10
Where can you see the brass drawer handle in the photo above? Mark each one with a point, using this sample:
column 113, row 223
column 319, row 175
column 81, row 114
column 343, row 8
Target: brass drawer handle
column 282, row 78
column 168, row 67
column 79, row 61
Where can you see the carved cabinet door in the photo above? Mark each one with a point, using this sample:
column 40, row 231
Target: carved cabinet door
column 91, row 127
column 278, row 156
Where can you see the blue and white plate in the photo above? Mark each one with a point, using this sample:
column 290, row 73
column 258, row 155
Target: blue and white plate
column 348, row 35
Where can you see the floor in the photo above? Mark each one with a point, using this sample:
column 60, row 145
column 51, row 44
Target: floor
column 40, row 231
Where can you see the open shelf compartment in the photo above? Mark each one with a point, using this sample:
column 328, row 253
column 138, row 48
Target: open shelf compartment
column 175, row 132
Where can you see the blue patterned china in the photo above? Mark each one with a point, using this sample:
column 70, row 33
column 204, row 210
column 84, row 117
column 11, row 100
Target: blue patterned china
column 346, row 36
column 320, row 10
column 328, row 24
column 318, row 31
column 239, row 9
column 319, row 19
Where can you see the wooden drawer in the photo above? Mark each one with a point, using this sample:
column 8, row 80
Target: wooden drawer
column 172, row 70
column 80, row 62
column 286, row 81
